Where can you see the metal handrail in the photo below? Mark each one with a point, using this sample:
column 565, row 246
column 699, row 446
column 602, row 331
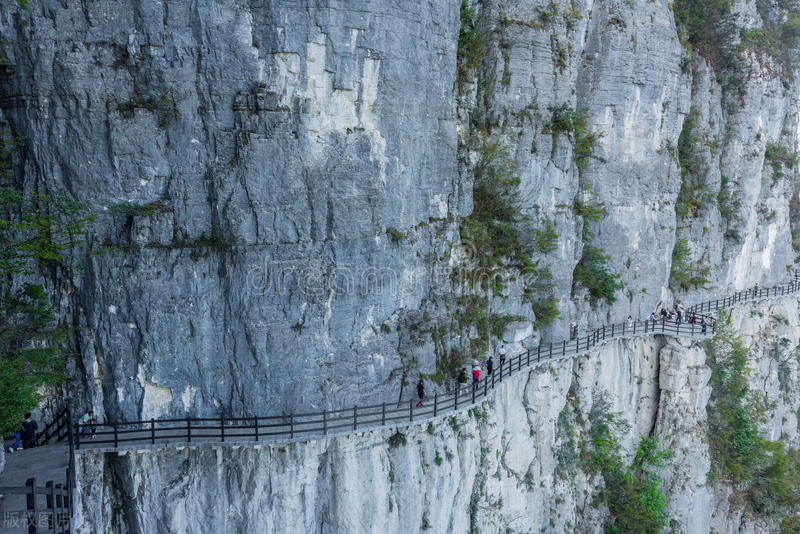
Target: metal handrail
column 320, row 424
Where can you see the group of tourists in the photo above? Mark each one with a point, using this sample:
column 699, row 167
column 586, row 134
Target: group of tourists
column 26, row 437
column 463, row 377
column 679, row 315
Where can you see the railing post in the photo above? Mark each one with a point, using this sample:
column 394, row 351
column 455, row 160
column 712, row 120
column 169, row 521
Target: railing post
column 222, row 428
column 486, row 382
column 474, row 388
column 58, row 516
column 549, row 355
column 436, row 402
column 564, row 348
column 324, row 422
column 528, row 358
column 50, row 498
column 612, row 329
column 255, row 426
column 663, row 325
column 116, row 437
column 355, row 417
column 411, row 410
column 77, row 436
column 152, row 431
column 455, row 404
column 634, row 328
column 291, row 426
column 539, row 352
column 32, row 509
column 188, row 430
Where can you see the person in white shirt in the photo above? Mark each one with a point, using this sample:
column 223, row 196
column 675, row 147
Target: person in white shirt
column 501, row 355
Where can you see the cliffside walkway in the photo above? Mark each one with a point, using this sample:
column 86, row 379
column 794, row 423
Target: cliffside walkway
column 48, row 501
column 303, row 426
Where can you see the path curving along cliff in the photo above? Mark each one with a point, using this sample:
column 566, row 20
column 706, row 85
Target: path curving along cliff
column 303, row 426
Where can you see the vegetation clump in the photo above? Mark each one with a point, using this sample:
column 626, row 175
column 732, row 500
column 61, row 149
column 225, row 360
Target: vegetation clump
column 575, row 125
column 685, row 274
column 473, row 41
column 397, row 439
column 494, row 231
column 765, row 473
column 778, row 157
column 695, row 194
column 163, row 106
column 37, row 231
column 632, row 490
column 396, row 235
column 592, row 272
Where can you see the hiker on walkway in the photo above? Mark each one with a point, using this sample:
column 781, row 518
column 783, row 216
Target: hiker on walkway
column 703, row 325
column 501, row 353
column 28, row 432
column 630, row 320
column 17, row 445
column 476, row 373
column 87, row 423
column 420, row 392
column 462, row 376
column 664, row 314
column 489, row 366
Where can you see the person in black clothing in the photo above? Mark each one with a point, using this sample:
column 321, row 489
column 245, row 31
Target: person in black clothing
column 28, row 432
column 703, row 324
column 489, row 366
column 420, row 392
column 462, row 376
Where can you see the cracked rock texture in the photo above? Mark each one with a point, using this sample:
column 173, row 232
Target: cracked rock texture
column 495, row 467
column 279, row 183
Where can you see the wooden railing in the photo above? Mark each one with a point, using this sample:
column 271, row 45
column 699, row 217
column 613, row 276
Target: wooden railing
column 293, row 426
column 46, row 509
column 56, row 430
column 353, row 419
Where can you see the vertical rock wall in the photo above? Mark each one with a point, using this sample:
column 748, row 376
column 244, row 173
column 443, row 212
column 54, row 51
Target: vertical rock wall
column 247, row 160
column 279, row 183
column 499, row 467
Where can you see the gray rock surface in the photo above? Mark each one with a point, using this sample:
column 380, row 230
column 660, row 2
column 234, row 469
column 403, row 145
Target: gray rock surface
column 280, row 186
column 499, row 467
column 249, row 159
column 277, row 143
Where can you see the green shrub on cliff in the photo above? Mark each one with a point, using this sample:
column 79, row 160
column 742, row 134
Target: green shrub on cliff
column 631, row 490
column 592, row 272
column 765, row 472
column 37, row 231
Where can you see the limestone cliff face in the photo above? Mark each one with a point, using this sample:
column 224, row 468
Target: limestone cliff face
column 623, row 64
column 247, row 160
column 280, row 186
column 499, row 468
